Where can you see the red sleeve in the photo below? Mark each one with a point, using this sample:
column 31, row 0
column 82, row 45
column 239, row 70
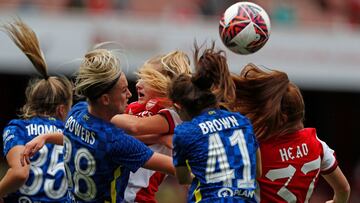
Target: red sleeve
column 134, row 108
column 169, row 118
column 153, row 106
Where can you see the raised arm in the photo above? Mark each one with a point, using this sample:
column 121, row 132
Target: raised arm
column 37, row 143
column 133, row 125
column 340, row 186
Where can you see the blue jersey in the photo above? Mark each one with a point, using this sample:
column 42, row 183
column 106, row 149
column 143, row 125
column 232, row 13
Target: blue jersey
column 47, row 181
column 219, row 147
column 99, row 157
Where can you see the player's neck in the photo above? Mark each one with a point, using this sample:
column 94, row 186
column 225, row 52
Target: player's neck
column 99, row 112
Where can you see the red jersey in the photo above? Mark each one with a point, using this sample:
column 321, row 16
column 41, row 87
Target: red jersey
column 144, row 183
column 291, row 166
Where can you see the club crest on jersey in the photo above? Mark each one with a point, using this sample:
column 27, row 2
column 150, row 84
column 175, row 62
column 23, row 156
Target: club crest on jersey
column 86, row 117
column 150, row 104
column 211, row 112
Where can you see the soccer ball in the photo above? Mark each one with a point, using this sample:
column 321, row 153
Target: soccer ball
column 244, row 27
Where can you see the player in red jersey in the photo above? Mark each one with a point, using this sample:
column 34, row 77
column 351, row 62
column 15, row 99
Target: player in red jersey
column 293, row 157
column 153, row 115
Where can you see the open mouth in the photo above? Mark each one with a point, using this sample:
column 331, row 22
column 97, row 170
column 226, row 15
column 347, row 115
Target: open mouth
column 140, row 94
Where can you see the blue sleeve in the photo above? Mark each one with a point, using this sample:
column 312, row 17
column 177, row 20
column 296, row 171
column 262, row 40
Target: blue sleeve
column 13, row 135
column 179, row 150
column 128, row 151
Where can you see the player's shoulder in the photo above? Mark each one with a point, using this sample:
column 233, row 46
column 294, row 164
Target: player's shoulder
column 185, row 126
column 185, row 131
column 307, row 133
column 81, row 105
column 17, row 123
column 235, row 117
column 112, row 132
column 239, row 117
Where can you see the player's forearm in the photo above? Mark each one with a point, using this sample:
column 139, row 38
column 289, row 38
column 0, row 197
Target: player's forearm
column 341, row 197
column 339, row 184
column 148, row 139
column 13, row 180
column 126, row 122
column 160, row 162
column 54, row 138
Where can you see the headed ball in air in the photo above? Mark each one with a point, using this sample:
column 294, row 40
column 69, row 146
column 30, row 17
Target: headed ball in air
column 244, row 27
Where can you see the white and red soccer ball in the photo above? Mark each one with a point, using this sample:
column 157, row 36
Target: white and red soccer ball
column 244, row 27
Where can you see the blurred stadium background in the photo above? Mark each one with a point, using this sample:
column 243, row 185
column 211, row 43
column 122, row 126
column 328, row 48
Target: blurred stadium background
column 317, row 42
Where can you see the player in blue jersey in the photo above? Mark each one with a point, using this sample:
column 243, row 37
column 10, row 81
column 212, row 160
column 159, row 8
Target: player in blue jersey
column 48, row 100
column 99, row 156
column 214, row 150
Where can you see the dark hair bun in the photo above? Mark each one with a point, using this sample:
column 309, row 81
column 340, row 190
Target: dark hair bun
column 203, row 82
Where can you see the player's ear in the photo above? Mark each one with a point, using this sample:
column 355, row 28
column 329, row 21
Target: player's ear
column 177, row 106
column 61, row 111
column 105, row 99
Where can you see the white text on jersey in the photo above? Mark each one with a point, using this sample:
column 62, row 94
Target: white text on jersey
column 37, row 129
column 74, row 127
column 292, row 153
column 217, row 125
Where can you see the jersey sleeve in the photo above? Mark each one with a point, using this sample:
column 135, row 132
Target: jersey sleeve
column 134, row 108
column 13, row 135
column 171, row 117
column 179, row 150
column 128, row 151
column 329, row 162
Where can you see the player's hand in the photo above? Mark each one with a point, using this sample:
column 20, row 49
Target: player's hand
column 31, row 148
column 330, row 201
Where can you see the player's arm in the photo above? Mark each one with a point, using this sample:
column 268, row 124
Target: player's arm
column 156, row 138
column 340, row 186
column 133, row 125
column 16, row 175
column 258, row 164
column 184, row 175
column 160, row 162
column 37, row 143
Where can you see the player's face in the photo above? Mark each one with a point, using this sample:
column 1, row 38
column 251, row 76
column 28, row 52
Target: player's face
column 120, row 95
column 145, row 92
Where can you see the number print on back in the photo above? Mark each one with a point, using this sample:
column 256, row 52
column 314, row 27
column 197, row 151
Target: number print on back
column 49, row 183
column 288, row 172
column 217, row 154
column 82, row 173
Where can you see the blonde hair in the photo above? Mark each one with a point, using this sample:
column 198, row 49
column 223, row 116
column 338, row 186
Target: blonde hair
column 158, row 71
column 45, row 94
column 98, row 73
